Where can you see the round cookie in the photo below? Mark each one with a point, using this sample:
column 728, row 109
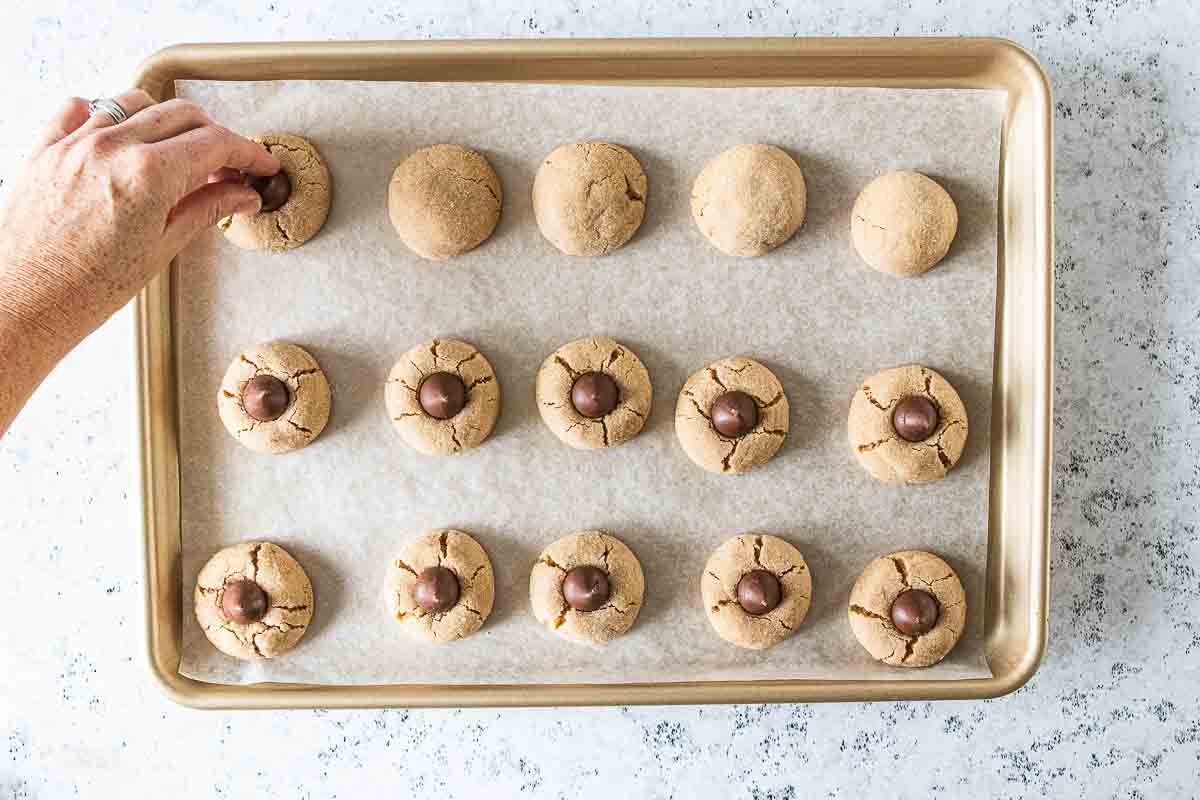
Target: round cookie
column 697, row 414
column 456, row 418
column 302, row 213
column 749, row 199
column 274, row 398
column 874, row 610
column 253, row 600
column 444, row 200
column 422, row 607
column 903, row 223
column 623, row 382
column 886, row 431
column 556, row 575
column 732, row 590
column 589, row 197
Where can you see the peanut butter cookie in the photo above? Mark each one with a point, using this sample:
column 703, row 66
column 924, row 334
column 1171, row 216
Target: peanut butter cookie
column 295, row 207
column 441, row 586
column 253, row 600
column 908, row 609
column 589, row 197
column 587, row 587
column 756, row 590
column 903, row 223
column 443, row 397
column 731, row 416
column 593, row 393
column 749, row 199
column 444, row 200
column 907, row 425
column 274, row 398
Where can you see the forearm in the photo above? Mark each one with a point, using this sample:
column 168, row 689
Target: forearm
column 39, row 324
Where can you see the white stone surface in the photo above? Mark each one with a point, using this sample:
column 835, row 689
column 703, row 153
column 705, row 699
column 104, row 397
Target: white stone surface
column 1114, row 710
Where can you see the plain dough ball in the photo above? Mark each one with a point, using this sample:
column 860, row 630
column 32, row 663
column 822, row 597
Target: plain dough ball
column 461, row 554
column 304, row 212
column 750, row 199
column 309, row 398
column 878, row 587
column 289, row 598
column 589, row 197
column 444, row 200
column 587, row 548
column 903, row 223
column 877, row 446
column 718, row 590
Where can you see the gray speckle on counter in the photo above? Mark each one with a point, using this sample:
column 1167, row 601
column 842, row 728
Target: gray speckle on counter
column 1114, row 710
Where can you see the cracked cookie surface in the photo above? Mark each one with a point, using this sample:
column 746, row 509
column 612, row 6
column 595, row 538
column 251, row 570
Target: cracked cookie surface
column 462, row 555
column 309, row 398
column 718, row 590
column 301, row 215
column 289, row 600
column 444, row 200
column 877, row 446
column 589, row 197
column 463, row 431
column 703, row 443
column 594, row 548
column 750, row 199
column 878, row 587
column 903, row 223
column 601, row 354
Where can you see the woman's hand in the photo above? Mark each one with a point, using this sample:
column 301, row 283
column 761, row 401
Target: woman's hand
column 101, row 209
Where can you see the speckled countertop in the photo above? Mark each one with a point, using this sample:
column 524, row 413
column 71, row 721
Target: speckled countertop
column 1115, row 708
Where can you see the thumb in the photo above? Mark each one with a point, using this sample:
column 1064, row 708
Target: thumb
column 202, row 209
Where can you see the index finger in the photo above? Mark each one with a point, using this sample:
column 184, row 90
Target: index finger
column 210, row 148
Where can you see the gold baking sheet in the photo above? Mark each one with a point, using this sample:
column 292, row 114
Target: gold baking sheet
column 1012, row 652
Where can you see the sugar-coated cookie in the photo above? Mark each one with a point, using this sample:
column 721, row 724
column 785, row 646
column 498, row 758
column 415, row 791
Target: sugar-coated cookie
column 749, row 199
column 903, row 223
column 589, row 197
column 305, row 208
column 907, row 425
column 274, row 398
column 440, row 587
column 444, row 200
column 756, row 590
column 587, row 587
column 731, row 416
column 908, row 609
column 443, row 397
column 253, row 600
column 594, row 392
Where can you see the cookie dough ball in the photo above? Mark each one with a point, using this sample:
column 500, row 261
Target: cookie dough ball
column 587, row 587
column 903, row 223
column 253, row 600
column 441, row 586
column 274, row 398
column 593, row 393
column 907, row 425
column 756, row 590
column 589, row 197
column 444, row 200
column 908, row 609
column 749, row 199
column 731, row 416
column 443, row 397
column 301, row 203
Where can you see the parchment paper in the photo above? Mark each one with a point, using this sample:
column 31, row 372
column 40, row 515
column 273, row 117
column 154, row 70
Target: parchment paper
column 357, row 298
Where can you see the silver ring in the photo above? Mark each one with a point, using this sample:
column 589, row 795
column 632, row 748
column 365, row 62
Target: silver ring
column 108, row 106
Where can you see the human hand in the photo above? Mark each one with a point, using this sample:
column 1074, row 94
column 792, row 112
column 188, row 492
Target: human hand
column 102, row 208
